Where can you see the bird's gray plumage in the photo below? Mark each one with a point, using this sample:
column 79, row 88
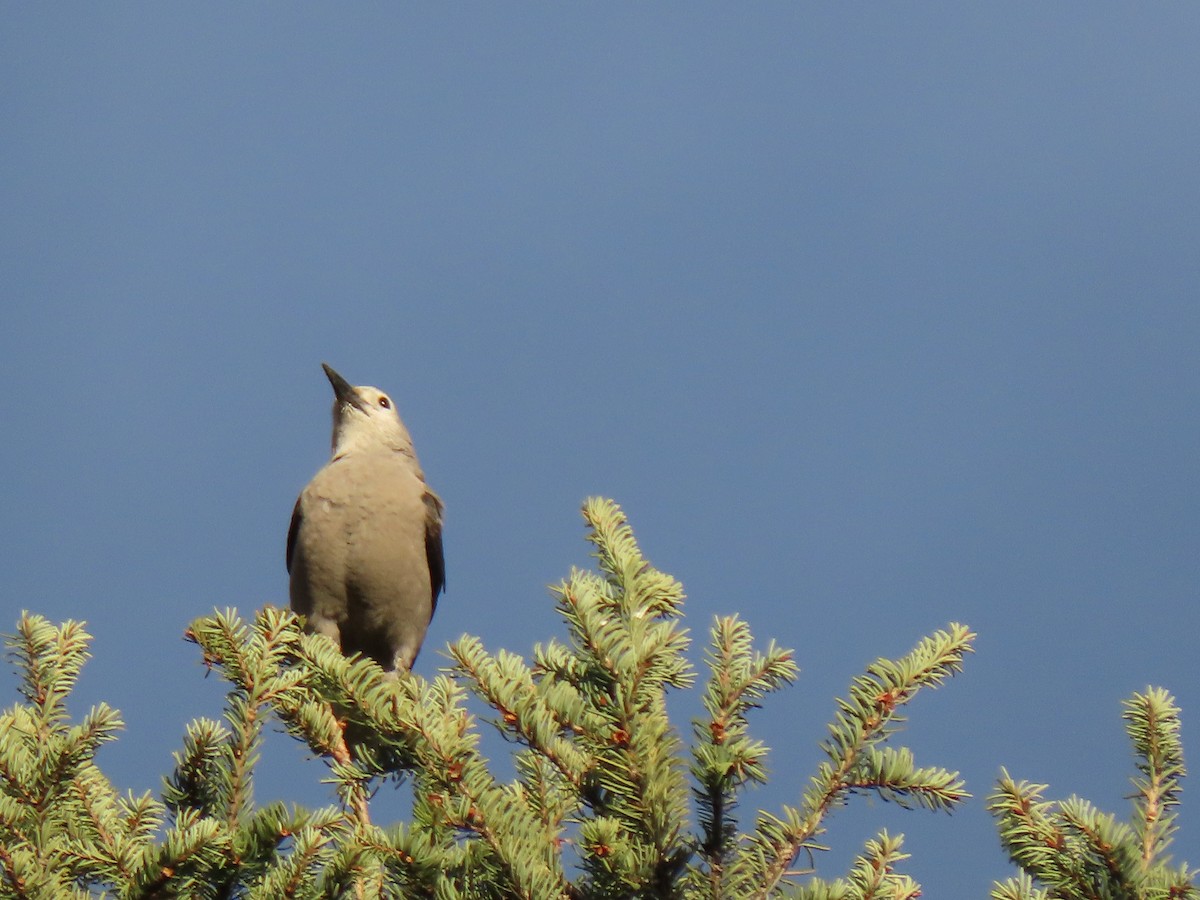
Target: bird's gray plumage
column 364, row 549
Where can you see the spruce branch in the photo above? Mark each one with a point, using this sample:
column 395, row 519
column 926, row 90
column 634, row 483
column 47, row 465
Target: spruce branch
column 874, row 876
column 1070, row 849
column 1029, row 831
column 1019, row 888
column 601, row 805
column 193, row 784
column 865, row 719
column 533, row 713
column 724, row 757
column 625, row 627
column 61, row 821
column 250, row 658
column 411, row 725
column 1153, row 724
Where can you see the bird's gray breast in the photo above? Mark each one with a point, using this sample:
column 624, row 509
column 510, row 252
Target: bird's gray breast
column 362, row 540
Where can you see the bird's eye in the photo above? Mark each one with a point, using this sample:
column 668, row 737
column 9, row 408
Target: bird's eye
column 385, row 402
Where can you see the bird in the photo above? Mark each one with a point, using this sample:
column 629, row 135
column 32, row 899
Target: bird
column 364, row 548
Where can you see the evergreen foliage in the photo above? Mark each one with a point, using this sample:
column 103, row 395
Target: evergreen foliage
column 608, row 801
column 1073, row 851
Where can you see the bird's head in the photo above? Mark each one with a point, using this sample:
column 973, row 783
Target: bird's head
column 364, row 418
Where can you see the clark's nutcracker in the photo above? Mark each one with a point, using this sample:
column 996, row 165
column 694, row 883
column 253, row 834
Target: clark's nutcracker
column 364, row 550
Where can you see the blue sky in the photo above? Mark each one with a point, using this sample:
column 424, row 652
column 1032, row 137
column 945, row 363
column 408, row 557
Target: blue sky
column 871, row 317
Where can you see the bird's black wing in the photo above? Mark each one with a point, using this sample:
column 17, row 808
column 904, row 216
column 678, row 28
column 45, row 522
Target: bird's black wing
column 293, row 531
column 433, row 546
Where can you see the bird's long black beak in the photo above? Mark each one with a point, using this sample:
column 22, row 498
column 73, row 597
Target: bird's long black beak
column 342, row 389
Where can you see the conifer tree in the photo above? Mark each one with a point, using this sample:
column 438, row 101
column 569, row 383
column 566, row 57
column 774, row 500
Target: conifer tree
column 608, row 801
column 1071, row 850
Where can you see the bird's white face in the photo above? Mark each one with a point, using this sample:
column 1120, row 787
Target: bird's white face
column 366, row 418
